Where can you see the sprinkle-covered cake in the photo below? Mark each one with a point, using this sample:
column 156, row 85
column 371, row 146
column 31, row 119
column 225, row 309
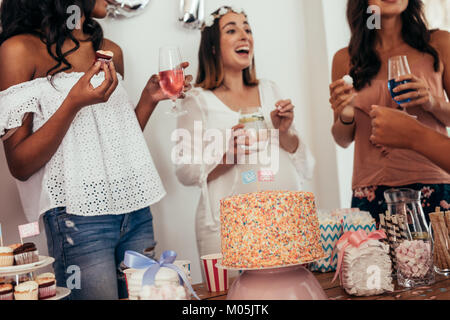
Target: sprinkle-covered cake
column 269, row 229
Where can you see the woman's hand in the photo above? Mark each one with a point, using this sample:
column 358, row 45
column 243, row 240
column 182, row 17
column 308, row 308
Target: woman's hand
column 83, row 92
column 341, row 96
column 233, row 154
column 283, row 116
column 239, row 140
column 392, row 128
column 152, row 93
column 420, row 96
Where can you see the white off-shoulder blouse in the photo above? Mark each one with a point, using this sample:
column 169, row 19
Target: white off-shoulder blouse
column 206, row 108
column 103, row 165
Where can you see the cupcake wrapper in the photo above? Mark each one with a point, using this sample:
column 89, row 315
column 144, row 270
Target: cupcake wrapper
column 47, row 292
column 32, row 295
column 6, row 261
column 7, row 296
column 26, row 257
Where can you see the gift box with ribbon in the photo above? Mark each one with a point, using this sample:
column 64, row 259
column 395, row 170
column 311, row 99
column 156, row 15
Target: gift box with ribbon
column 148, row 270
column 364, row 266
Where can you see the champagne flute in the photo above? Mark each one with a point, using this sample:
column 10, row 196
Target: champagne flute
column 398, row 66
column 171, row 76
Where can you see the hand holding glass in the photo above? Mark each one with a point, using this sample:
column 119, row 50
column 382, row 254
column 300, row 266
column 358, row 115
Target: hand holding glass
column 171, row 76
column 256, row 129
column 398, row 66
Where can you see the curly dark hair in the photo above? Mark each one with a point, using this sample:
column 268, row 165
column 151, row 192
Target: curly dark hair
column 47, row 19
column 364, row 60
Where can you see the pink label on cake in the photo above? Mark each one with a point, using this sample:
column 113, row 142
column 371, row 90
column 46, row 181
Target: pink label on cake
column 266, row 175
column 29, row 230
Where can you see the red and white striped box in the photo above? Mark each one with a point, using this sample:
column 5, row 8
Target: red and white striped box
column 216, row 278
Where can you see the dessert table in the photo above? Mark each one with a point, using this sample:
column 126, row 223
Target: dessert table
column 440, row 290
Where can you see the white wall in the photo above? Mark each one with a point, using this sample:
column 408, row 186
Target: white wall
column 292, row 48
column 337, row 37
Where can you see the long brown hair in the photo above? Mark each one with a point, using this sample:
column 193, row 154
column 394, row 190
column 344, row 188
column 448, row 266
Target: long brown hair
column 364, row 60
column 210, row 67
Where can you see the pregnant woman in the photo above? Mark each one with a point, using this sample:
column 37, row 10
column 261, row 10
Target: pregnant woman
column 227, row 87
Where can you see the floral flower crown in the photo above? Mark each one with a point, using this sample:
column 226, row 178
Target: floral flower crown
column 209, row 20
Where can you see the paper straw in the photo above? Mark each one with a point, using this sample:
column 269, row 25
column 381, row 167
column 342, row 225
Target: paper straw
column 391, row 238
column 403, row 227
column 396, row 228
column 383, row 227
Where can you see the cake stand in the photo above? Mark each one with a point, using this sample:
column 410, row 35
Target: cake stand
column 281, row 283
column 43, row 261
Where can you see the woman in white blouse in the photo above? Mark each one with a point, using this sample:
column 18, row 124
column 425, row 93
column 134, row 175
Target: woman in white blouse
column 227, row 85
column 74, row 142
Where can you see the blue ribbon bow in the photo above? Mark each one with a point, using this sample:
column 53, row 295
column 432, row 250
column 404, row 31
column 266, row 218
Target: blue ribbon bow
column 138, row 261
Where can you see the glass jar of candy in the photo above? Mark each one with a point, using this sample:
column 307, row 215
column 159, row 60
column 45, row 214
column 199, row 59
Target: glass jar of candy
column 413, row 249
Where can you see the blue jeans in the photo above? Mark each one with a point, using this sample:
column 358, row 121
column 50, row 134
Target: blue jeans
column 96, row 247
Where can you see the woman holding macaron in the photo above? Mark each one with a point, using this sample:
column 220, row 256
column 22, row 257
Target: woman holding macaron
column 74, row 142
column 403, row 32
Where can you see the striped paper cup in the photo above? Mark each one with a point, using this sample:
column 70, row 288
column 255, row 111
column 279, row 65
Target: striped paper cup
column 216, row 279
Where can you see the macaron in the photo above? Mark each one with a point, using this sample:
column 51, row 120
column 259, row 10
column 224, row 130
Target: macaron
column 348, row 80
column 105, row 56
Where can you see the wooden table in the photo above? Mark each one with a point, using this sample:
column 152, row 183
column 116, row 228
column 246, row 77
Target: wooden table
column 440, row 290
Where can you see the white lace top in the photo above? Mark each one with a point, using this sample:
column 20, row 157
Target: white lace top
column 103, row 165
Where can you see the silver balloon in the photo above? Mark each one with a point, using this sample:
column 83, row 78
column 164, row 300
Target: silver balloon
column 192, row 13
column 126, row 8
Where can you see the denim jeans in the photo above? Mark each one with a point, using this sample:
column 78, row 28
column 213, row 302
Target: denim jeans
column 96, row 247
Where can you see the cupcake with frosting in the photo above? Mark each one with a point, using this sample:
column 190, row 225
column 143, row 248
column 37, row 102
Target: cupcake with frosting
column 26, row 253
column 6, row 257
column 26, row 291
column 6, row 292
column 47, row 285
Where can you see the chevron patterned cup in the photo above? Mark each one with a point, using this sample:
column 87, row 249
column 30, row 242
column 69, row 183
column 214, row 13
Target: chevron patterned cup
column 368, row 228
column 329, row 236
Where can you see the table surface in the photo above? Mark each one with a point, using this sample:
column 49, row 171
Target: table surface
column 440, row 290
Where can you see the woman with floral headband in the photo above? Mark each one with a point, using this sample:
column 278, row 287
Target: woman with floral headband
column 403, row 32
column 227, row 85
column 74, row 142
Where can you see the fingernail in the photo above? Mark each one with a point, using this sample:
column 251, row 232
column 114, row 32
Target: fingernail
column 97, row 63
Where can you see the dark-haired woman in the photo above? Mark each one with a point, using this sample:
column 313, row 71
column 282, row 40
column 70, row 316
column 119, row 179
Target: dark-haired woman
column 227, row 84
column 74, row 142
column 403, row 32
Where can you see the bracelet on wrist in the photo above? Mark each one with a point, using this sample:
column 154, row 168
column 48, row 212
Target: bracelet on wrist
column 346, row 123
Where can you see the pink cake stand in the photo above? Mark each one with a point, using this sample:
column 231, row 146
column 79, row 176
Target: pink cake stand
column 285, row 283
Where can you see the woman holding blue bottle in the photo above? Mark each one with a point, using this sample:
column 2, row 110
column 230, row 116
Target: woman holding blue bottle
column 420, row 93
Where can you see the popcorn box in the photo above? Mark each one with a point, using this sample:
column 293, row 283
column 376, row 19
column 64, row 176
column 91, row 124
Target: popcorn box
column 359, row 221
column 351, row 227
column 329, row 235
